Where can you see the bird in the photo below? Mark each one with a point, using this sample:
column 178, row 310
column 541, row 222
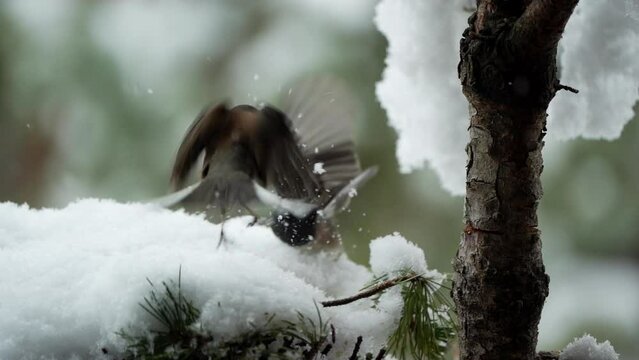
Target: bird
column 302, row 156
column 242, row 145
column 298, row 223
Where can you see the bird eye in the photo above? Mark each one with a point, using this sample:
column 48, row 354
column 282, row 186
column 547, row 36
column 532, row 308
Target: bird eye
column 205, row 170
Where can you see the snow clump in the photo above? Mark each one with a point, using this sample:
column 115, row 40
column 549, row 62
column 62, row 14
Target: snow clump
column 422, row 96
column 73, row 277
column 587, row 348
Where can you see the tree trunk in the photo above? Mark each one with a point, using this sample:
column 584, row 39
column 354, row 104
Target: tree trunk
column 509, row 75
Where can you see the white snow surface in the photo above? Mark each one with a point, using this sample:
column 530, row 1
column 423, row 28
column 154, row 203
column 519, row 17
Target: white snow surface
column 587, row 348
column 70, row 278
column 421, row 93
column 598, row 56
column 393, row 253
column 420, row 90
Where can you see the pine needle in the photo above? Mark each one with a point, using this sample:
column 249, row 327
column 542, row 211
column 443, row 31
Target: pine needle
column 426, row 325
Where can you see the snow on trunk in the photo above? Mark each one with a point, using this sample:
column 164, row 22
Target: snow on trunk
column 421, row 92
column 598, row 56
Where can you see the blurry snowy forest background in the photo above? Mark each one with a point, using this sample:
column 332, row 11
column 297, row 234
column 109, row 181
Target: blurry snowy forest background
column 95, row 97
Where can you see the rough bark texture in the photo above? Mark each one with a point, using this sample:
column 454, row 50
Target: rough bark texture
column 509, row 75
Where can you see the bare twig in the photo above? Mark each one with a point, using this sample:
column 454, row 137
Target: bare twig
column 381, row 354
column 332, row 334
column 547, row 355
column 370, row 292
column 327, row 349
column 567, row 88
column 356, row 349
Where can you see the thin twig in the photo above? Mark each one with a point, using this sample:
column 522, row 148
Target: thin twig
column 547, row 355
column 332, row 334
column 370, row 292
column 567, row 88
column 356, row 349
column 327, row 349
column 381, row 354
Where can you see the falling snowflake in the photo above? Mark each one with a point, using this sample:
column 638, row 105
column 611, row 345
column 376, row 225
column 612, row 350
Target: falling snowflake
column 318, row 168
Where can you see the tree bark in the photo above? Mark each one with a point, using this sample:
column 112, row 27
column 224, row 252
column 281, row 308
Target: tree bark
column 509, row 76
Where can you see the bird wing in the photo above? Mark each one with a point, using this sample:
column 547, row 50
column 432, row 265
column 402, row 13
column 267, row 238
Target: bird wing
column 201, row 133
column 281, row 159
column 222, row 192
column 174, row 198
column 298, row 208
column 322, row 112
column 340, row 201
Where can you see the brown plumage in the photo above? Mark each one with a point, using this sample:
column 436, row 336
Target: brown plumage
column 242, row 145
column 274, row 149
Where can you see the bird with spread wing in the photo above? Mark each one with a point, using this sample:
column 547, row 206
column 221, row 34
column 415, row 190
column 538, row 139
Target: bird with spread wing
column 300, row 162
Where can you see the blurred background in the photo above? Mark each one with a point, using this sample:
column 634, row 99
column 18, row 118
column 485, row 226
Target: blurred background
column 96, row 95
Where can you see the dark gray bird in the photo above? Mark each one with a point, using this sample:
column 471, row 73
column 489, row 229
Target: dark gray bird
column 305, row 155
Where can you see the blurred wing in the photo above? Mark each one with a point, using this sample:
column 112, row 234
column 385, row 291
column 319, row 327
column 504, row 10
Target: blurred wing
column 201, row 132
column 221, row 192
column 339, row 163
column 298, row 208
column 174, row 198
column 341, row 200
column 286, row 168
column 322, row 111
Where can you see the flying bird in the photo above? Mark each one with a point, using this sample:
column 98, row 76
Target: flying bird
column 304, row 154
column 242, row 145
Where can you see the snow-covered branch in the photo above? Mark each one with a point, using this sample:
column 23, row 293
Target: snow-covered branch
column 73, row 279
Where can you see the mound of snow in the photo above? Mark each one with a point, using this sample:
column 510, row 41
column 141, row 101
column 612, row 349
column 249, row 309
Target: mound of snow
column 587, row 348
column 71, row 278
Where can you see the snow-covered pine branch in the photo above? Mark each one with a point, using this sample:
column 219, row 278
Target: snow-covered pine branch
column 73, row 279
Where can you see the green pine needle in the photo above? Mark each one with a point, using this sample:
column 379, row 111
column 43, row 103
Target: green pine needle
column 307, row 331
column 178, row 338
column 424, row 331
column 427, row 325
column 176, row 315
